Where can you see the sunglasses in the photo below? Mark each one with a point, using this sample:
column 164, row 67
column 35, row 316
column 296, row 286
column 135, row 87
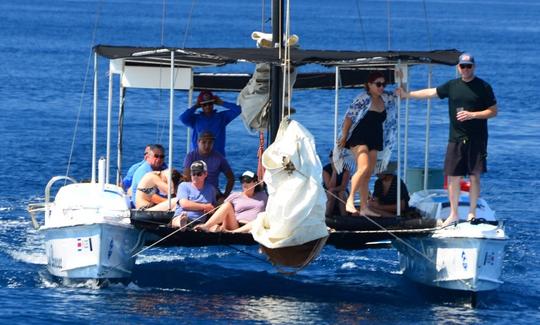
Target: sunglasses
column 159, row 156
column 247, row 180
column 465, row 66
column 197, row 174
column 380, row 84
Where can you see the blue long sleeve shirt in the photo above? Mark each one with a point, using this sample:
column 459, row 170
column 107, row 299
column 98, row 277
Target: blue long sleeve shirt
column 214, row 123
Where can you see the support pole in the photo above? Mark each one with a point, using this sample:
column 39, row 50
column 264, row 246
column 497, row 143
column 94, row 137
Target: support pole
column 109, row 117
column 275, row 81
column 94, row 123
column 171, row 117
column 428, row 122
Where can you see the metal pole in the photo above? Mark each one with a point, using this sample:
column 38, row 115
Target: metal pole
column 94, row 126
column 171, row 116
column 406, row 144
column 428, row 121
column 398, row 203
column 336, row 105
column 275, row 82
column 109, row 117
column 120, row 140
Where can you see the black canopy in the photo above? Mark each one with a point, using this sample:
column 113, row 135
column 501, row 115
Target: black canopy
column 194, row 57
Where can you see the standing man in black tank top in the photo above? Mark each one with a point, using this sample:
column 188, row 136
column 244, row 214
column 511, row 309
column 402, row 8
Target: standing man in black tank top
column 470, row 103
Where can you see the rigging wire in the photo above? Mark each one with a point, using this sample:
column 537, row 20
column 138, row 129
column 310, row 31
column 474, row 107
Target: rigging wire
column 188, row 25
column 362, row 30
column 428, row 28
column 388, row 20
column 83, row 91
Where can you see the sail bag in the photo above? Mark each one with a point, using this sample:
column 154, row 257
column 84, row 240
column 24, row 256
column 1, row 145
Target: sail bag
column 296, row 204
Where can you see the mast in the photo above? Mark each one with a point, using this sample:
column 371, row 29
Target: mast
column 276, row 71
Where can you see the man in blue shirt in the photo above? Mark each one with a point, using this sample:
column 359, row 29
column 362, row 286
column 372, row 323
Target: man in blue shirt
column 126, row 182
column 153, row 161
column 210, row 119
column 196, row 199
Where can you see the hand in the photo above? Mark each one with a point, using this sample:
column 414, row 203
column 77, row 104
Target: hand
column 464, row 116
column 401, row 93
column 218, row 101
column 207, row 207
column 342, row 141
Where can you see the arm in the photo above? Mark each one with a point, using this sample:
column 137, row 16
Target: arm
column 347, row 122
column 485, row 114
column 230, row 182
column 232, row 111
column 418, row 94
column 328, row 180
column 195, row 206
column 344, row 180
column 188, row 117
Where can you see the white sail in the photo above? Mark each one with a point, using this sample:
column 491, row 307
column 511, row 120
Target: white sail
column 295, row 211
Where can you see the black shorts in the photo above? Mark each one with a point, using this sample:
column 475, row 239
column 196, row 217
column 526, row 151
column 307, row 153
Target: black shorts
column 467, row 157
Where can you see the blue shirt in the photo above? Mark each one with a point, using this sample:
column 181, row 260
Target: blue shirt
column 186, row 190
column 126, row 182
column 214, row 123
column 215, row 163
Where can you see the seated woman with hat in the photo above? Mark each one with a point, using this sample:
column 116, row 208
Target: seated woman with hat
column 384, row 199
column 239, row 208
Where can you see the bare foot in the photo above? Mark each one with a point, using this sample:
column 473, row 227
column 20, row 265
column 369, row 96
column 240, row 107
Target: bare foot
column 368, row 212
column 201, row 227
column 179, row 221
column 349, row 207
column 450, row 220
column 471, row 216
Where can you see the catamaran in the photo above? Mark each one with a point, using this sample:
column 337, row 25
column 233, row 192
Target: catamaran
column 90, row 232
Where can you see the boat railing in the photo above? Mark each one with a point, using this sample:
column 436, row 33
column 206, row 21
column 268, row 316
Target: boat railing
column 50, row 184
column 34, row 208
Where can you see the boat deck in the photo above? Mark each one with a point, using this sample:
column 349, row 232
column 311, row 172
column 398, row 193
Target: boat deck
column 346, row 232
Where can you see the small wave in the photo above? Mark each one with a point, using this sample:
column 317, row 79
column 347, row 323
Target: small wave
column 349, row 266
column 29, row 257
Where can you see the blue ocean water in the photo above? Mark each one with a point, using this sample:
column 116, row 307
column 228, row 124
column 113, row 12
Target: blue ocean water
column 46, row 47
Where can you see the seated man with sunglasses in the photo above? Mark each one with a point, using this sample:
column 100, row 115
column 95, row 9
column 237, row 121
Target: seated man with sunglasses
column 215, row 161
column 153, row 161
column 209, row 119
column 470, row 103
column 195, row 199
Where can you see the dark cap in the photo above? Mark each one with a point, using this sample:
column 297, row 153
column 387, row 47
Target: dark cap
column 198, row 166
column 248, row 176
column 205, row 97
column 466, row 58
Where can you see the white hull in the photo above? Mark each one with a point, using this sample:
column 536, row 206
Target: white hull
column 88, row 234
column 464, row 256
column 95, row 251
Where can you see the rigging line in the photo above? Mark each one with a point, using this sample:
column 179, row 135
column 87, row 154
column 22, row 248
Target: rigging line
column 182, row 228
column 263, row 11
column 83, row 91
column 388, row 20
column 163, row 16
column 428, row 28
column 188, row 25
column 391, row 233
column 362, row 30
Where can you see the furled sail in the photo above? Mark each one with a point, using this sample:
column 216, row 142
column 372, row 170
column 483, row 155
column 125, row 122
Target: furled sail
column 295, row 211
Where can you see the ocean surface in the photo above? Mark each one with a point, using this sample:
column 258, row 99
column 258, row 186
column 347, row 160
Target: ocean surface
column 46, row 81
